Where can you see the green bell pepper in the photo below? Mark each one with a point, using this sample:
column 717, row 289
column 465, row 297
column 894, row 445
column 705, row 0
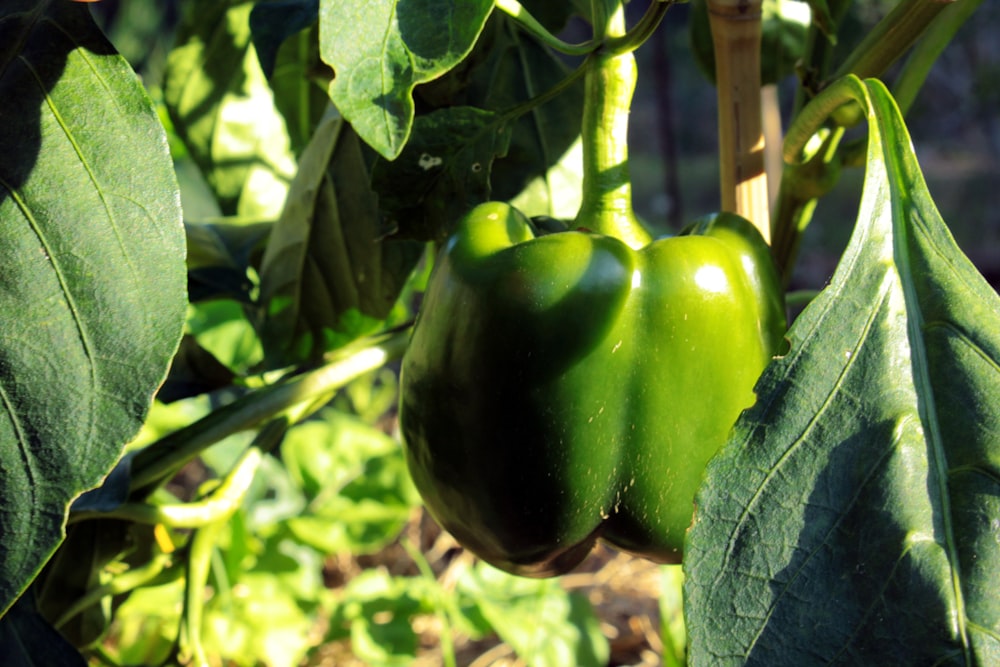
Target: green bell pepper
column 567, row 387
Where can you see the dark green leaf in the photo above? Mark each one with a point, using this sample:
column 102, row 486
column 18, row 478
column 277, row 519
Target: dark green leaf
column 521, row 68
column 442, row 173
column 194, row 371
column 92, row 288
column 27, row 640
column 328, row 276
column 219, row 256
column 484, row 154
column 381, row 49
column 221, row 105
column 853, row 517
column 271, row 23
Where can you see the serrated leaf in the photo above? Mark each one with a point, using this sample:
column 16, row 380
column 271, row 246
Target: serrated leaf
column 92, row 290
column 853, row 517
column 328, row 276
column 223, row 109
column 442, row 173
column 381, row 49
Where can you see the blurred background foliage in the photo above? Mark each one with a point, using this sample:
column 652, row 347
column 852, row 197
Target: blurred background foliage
column 330, row 560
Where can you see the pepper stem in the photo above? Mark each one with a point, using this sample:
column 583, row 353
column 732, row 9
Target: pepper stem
column 606, row 207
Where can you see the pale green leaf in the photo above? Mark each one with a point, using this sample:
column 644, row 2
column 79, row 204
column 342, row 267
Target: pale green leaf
column 221, row 105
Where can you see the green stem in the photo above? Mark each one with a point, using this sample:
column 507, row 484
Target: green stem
column 222, row 502
column 199, row 565
column 927, row 50
column 818, row 54
column 121, row 583
column 637, row 35
column 891, row 38
column 161, row 460
column 514, row 9
column 803, row 182
column 606, row 207
column 813, row 116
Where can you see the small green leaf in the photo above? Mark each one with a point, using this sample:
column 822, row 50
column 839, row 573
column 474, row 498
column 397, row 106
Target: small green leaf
column 355, row 480
column 852, row 518
column 544, row 624
column 375, row 611
column 381, row 49
column 92, row 290
column 258, row 622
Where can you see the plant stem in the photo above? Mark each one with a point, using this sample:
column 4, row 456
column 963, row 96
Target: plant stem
column 121, row 583
column 606, row 206
column 161, row 460
column 736, row 36
column 199, row 565
column 521, row 15
column 637, row 35
column 221, row 503
column 938, row 35
column 891, row 37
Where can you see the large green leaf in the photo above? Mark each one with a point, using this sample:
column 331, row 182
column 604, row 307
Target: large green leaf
column 442, row 173
column 381, row 49
column 92, row 289
column 221, row 105
column 854, row 516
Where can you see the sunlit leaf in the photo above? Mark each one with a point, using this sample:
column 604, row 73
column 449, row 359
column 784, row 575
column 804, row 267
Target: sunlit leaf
column 543, row 623
column 355, row 479
column 222, row 106
column 381, row 49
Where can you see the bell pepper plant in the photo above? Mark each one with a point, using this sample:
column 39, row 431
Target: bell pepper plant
column 408, row 275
